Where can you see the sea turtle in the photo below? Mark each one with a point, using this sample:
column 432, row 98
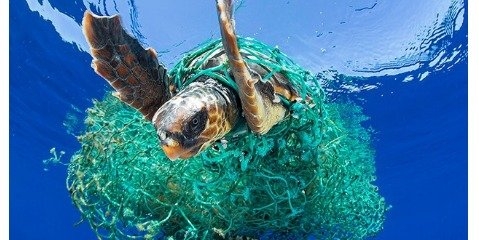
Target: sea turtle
column 189, row 120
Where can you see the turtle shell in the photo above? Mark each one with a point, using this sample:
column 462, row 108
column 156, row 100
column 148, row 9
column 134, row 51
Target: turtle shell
column 209, row 60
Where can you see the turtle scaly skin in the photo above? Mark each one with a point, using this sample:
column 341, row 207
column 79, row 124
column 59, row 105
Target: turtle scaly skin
column 261, row 105
column 132, row 71
column 209, row 111
column 201, row 113
column 205, row 110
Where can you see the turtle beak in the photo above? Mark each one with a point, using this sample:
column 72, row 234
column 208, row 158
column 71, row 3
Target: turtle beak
column 172, row 152
column 175, row 152
column 172, row 148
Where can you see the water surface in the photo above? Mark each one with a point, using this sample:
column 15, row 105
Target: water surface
column 404, row 62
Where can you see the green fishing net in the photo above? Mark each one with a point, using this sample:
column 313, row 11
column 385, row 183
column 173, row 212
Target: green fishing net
column 311, row 176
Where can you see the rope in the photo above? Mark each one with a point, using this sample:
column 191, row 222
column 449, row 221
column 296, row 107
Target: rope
column 311, row 175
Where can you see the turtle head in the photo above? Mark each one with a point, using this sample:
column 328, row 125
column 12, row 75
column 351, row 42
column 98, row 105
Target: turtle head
column 193, row 119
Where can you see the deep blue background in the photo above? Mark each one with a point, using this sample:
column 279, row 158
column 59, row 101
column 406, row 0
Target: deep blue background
column 420, row 139
column 44, row 76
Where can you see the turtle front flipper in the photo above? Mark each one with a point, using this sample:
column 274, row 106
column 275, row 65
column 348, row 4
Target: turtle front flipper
column 134, row 72
column 261, row 107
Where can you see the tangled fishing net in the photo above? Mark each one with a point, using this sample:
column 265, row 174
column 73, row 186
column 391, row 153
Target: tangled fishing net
column 312, row 175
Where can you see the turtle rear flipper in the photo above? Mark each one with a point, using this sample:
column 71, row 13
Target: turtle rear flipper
column 134, row 72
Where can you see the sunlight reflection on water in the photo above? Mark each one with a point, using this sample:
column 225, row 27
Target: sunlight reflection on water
column 365, row 38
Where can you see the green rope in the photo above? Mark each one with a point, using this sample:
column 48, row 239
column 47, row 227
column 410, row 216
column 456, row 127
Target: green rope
column 311, row 175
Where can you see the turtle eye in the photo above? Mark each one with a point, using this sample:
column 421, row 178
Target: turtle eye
column 195, row 121
column 193, row 126
column 196, row 124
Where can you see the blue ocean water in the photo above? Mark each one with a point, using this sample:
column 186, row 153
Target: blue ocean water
column 404, row 62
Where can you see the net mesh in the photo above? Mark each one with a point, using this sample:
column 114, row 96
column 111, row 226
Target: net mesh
column 312, row 175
